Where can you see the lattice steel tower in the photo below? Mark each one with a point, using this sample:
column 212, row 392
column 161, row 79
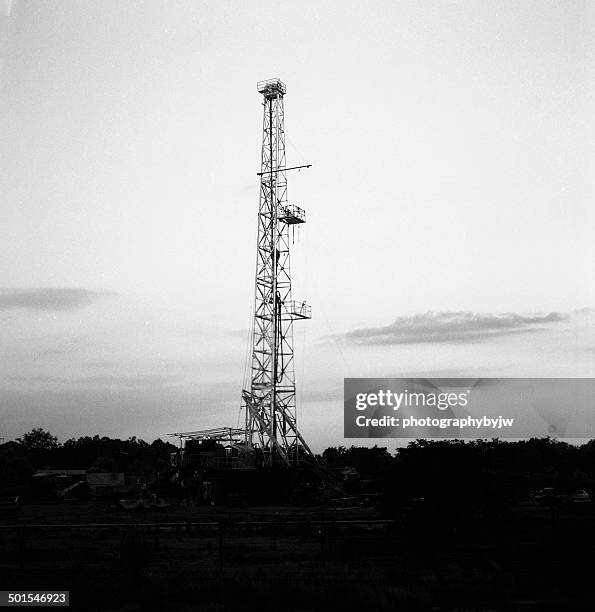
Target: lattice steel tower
column 270, row 403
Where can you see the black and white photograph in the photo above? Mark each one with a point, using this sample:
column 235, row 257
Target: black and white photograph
column 297, row 305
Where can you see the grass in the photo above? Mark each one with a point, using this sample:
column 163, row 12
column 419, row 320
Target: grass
column 526, row 560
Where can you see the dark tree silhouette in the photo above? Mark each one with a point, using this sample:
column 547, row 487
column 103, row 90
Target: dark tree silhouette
column 39, row 439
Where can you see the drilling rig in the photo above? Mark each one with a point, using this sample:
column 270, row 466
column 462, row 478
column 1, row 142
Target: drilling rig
column 270, row 402
column 270, row 439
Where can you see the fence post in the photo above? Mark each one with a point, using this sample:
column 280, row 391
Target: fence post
column 157, row 540
column 322, row 540
column 22, row 546
column 220, row 545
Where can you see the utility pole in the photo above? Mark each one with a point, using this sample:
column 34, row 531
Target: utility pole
column 270, row 402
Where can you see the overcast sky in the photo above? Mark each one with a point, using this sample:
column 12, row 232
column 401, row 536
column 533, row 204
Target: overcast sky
column 450, row 203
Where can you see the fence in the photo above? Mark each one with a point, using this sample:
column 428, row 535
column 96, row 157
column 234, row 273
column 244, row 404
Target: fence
column 287, row 548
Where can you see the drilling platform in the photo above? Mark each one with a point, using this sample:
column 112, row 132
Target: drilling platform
column 270, row 439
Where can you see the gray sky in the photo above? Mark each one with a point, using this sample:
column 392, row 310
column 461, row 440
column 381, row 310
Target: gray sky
column 450, row 202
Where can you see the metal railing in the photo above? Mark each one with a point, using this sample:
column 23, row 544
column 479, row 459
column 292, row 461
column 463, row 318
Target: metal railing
column 299, row 310
column 292, row 214
column 271, row 86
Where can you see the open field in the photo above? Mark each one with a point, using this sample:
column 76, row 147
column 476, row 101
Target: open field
column 301, row 558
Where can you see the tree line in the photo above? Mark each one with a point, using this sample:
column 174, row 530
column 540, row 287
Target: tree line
column 430, row 469
column 39, row 449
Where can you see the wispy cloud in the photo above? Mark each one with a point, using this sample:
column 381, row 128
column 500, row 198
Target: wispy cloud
column 107, row 381
column 129, row 381
column 52, row 299
column 451, row 327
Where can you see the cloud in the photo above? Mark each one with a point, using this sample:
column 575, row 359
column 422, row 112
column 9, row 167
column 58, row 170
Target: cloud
column 101, row 364
column 57, row 299
column 129, row 381
column 451, row 327
column 107, row 381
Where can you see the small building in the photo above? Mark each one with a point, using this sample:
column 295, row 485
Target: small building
column 103, row 484
column 61, row 482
